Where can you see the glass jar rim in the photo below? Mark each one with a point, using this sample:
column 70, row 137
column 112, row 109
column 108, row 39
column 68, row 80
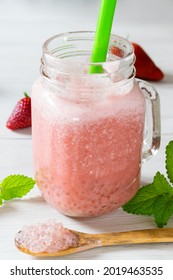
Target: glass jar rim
column 113, row 39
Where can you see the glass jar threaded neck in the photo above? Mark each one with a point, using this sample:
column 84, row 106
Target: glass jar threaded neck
column 69, row 54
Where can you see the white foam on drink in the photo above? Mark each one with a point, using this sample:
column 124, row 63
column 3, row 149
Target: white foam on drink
column 76, row 104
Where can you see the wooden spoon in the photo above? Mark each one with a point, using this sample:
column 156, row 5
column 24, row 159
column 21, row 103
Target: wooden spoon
column 87, row 241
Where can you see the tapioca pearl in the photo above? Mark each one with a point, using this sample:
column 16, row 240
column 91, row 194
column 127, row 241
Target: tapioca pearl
column 91, row 212
column 97, row 188
column 49, row 192
column 115, row 188
column 59, row 203
column 56, row 238
column 100, row 172
column 103, row 201
column 91, row 201
column 83, row 182
column 112, row 193
column 37, row 248
column 91, row 172
column 67, row 204
column 96, row 199
column 114, row 203
column 74, row 205
column 112, row 155
column 81, row 209
column 84, row 195
column 83, row 205
column 67, row 194
column 55, row 187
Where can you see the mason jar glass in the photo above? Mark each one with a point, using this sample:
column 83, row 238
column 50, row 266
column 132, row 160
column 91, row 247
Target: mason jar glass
column 91, row 131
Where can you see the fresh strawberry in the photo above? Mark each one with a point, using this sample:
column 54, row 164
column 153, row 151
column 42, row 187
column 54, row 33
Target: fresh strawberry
column 145, row 67
column 116, row 51
column 21, row 115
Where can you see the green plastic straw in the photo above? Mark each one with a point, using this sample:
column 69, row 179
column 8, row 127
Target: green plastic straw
column 103, row 32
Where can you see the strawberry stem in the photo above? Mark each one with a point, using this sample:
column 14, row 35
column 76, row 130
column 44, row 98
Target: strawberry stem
column 26, row 95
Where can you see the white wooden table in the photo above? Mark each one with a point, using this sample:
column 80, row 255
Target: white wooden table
column 24, row 26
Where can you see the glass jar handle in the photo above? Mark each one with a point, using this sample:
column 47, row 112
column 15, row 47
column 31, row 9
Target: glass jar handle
column 152, row 130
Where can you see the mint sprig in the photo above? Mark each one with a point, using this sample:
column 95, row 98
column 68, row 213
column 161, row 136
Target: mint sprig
column 0, row 199
column 156, row 198
column 169, row 161
column 15, row 186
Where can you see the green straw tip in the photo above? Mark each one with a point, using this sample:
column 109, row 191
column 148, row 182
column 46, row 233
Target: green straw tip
column 103, row 32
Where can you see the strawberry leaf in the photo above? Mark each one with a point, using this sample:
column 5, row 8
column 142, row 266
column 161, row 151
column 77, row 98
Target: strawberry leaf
column 26, row 95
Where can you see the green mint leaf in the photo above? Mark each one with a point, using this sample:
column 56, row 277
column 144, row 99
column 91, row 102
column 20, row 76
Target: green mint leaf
column 156, row 198
column 163, row 210
column 161, row 185
column 169, row 161
column 15, row 186
column 142, row 202
column 0, row 198
column 153, row 199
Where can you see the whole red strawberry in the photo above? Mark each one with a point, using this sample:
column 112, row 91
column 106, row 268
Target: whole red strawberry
column 21, row 115
column 145, row 66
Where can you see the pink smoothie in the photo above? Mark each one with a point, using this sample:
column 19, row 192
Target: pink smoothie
column 87, row 155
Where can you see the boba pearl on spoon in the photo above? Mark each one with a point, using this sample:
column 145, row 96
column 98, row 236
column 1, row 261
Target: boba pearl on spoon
column 51, row 239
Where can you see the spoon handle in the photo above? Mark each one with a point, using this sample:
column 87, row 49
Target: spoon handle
column 136, row 237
